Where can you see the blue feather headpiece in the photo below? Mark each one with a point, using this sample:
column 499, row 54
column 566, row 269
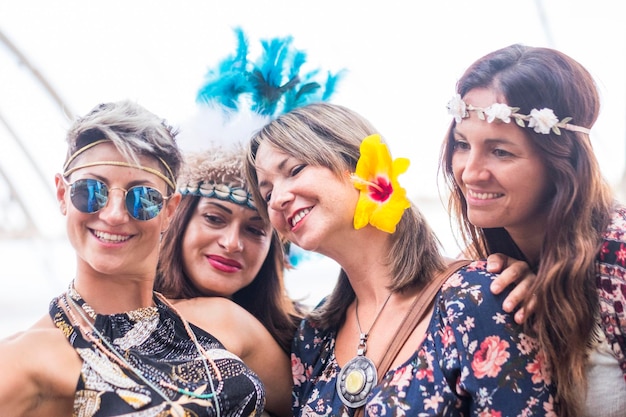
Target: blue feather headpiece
column 237, row 98
column 271, row 85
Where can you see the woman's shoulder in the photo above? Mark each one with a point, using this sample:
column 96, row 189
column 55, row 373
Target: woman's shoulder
column 468, row 289
column 617, row 226
column 611, row 257
column 473, row 276
column 212, row 309
column 40, row 355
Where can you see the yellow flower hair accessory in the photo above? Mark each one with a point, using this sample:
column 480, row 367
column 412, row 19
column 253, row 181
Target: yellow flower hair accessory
column 382, row 201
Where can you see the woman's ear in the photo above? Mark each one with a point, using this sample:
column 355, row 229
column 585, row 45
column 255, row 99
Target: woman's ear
column 61, row 189
column 170, row 209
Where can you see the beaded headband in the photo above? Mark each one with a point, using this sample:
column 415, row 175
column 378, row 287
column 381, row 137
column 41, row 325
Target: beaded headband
column 542, row 121
column 67, row 171
column 216, row 173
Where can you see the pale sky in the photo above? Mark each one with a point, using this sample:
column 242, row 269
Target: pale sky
column 403, row 59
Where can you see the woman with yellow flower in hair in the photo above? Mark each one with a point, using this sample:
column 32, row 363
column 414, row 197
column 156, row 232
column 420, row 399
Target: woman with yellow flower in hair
column 405, row 331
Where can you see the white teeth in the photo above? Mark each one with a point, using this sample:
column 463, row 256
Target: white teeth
column 296, row 219
column 110, row 237
column 483, row 196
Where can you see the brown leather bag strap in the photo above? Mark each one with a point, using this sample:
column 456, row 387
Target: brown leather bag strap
column 415, row 315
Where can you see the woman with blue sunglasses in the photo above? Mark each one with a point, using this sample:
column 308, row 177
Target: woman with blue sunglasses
column 110, row 345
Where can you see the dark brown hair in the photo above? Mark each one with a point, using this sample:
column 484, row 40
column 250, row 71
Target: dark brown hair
column 265, row 298
column 578, row 212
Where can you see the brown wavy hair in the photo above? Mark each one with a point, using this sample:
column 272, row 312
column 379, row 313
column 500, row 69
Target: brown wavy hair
column 265, row 297
column 563, row 317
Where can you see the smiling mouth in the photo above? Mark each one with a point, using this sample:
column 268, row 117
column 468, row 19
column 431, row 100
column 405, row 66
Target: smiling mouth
column 109, row 237
column 483, row 196
column 299, row 216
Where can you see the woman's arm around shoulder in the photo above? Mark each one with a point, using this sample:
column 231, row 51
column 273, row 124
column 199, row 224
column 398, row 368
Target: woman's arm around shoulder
column 245, row 336
column 39, row 371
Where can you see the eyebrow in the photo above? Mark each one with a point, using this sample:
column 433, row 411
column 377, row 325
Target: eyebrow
column 217, row 204
column 489, row 141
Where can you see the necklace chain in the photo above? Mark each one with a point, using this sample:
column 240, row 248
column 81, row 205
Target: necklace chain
column 362, row 348
column 358, row 376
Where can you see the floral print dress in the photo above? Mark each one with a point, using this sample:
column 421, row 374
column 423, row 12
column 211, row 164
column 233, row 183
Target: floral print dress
column 474, row 361
column 611, row 282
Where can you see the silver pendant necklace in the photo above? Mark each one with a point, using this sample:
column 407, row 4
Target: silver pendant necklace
column 358, row 377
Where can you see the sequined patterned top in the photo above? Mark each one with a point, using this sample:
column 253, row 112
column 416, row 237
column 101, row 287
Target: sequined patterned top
column 474, row 361
column 160, row 348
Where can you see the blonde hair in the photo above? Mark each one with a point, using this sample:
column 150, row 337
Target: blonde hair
column 132, row 129
column 330, row 135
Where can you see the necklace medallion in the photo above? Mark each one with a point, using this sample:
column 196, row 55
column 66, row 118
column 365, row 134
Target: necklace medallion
column 356, row 380
column 358, row 376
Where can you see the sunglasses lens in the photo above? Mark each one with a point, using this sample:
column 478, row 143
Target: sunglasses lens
column 89, row 195
column 144, row 203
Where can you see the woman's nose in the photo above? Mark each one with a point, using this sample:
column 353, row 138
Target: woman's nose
column 279, row 198
column 474, row 168
column 231, row 239
column 115, row 211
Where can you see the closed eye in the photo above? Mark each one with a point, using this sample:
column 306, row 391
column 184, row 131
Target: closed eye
column 297, row 169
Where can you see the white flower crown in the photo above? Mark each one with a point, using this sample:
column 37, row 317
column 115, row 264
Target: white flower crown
column 542, row 121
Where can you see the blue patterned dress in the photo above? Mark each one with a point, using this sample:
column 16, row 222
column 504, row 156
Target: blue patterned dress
column 474, row 361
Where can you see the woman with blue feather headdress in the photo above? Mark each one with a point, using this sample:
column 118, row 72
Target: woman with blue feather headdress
column 218, row 244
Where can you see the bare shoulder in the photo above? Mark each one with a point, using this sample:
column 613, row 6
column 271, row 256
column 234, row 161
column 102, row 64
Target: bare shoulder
column 205, row 309
column 38, row 366
column 224, row 319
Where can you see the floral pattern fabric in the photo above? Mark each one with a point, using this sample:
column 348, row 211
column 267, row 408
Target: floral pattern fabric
column 474, row 361
column 611, row 282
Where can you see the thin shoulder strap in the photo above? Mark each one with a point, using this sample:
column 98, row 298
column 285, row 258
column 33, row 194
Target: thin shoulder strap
column 415, row 315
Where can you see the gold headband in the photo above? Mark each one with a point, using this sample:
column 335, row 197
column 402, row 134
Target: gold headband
column 116, row 163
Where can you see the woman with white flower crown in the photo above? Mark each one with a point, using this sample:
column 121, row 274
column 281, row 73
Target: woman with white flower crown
column 405, row 331
column 525, row 182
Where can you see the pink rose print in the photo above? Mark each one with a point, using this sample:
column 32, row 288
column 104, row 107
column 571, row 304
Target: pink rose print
column 425, row 369
column 297, row 369
column 489, row 359
column 537, row 368
column 447, row 336
column 490, row 413
column 402, row 378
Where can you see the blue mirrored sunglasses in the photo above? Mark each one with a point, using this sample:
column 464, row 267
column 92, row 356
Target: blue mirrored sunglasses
column 90, row 196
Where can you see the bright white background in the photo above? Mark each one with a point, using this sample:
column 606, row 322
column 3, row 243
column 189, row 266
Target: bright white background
column 402, row 58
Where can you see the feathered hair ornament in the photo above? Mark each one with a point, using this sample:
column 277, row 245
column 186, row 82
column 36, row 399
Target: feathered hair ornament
column 272, row 84
column 241, row 95
column 238, row 97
